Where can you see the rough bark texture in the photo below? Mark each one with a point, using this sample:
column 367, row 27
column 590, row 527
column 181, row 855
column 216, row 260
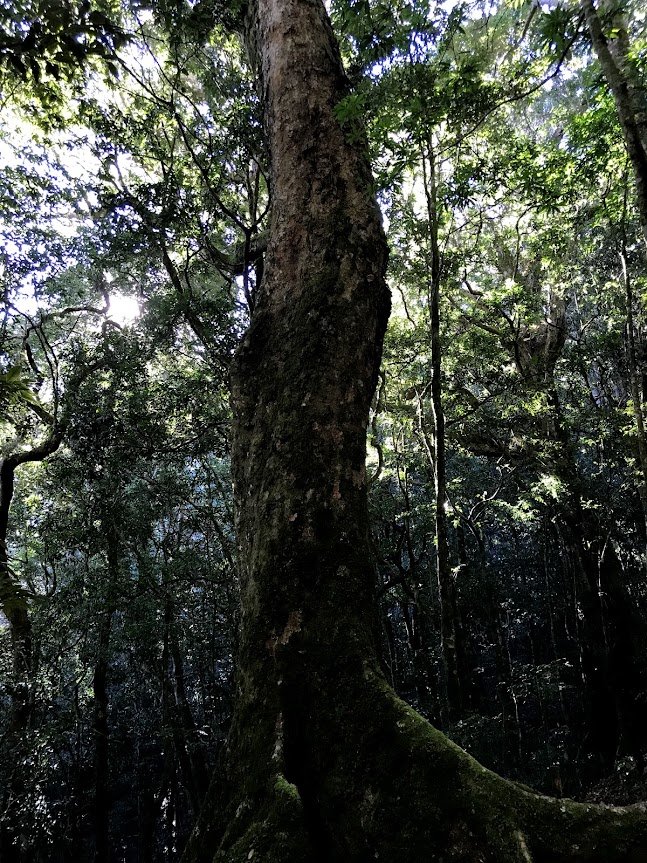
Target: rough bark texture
column 324, row 762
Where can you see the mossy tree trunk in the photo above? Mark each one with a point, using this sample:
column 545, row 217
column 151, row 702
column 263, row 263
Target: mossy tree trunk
column 324, row 762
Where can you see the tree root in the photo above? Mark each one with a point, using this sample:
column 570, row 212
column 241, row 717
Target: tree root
column 394, row 788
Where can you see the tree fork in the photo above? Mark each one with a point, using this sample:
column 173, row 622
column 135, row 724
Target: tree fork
column 324, row 762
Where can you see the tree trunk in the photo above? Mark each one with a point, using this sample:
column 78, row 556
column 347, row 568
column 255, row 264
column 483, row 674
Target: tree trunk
column 446, row 586
column 611, row 631
column 101, row 732
column 13, row 604
column 634, row 384
column 628, row 92
column 324, row 762
column 13, row 601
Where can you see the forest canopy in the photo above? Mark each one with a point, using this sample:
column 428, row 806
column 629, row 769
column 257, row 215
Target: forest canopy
column 258, row 548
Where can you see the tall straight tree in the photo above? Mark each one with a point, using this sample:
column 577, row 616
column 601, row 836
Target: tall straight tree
column 608, row 32
column 324, row 762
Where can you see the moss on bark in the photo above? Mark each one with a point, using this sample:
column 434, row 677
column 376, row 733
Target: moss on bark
column 272, row 829
column 324, row 762
column 389, row 786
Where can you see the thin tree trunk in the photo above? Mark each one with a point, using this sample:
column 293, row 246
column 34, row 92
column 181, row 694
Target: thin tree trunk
column 177, row 717
column 101, row 731
column 13, row 600
column 629, row 95
column 14, row 606
column 446, row 586
column 611, row 631
column 187, row 726
column 635, row 389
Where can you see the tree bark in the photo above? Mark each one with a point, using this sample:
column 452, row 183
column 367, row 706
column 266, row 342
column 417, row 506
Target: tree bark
column 453, row 695
column 634, row 382
column 101, row 734
column 13, row 601
column 324, row 762
column 14, row 606
column 628, row 92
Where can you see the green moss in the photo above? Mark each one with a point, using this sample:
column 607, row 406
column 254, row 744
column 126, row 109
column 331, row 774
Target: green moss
column 268, row 831
column 286, row 789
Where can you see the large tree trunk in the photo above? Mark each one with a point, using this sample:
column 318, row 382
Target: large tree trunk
column 324, row 762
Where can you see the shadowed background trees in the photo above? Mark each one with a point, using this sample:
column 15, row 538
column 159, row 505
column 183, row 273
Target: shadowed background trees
column 507, row 456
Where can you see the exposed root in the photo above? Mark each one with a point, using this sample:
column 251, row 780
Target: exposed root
column 272, row 832
column 395, row 789
column 525, row 853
